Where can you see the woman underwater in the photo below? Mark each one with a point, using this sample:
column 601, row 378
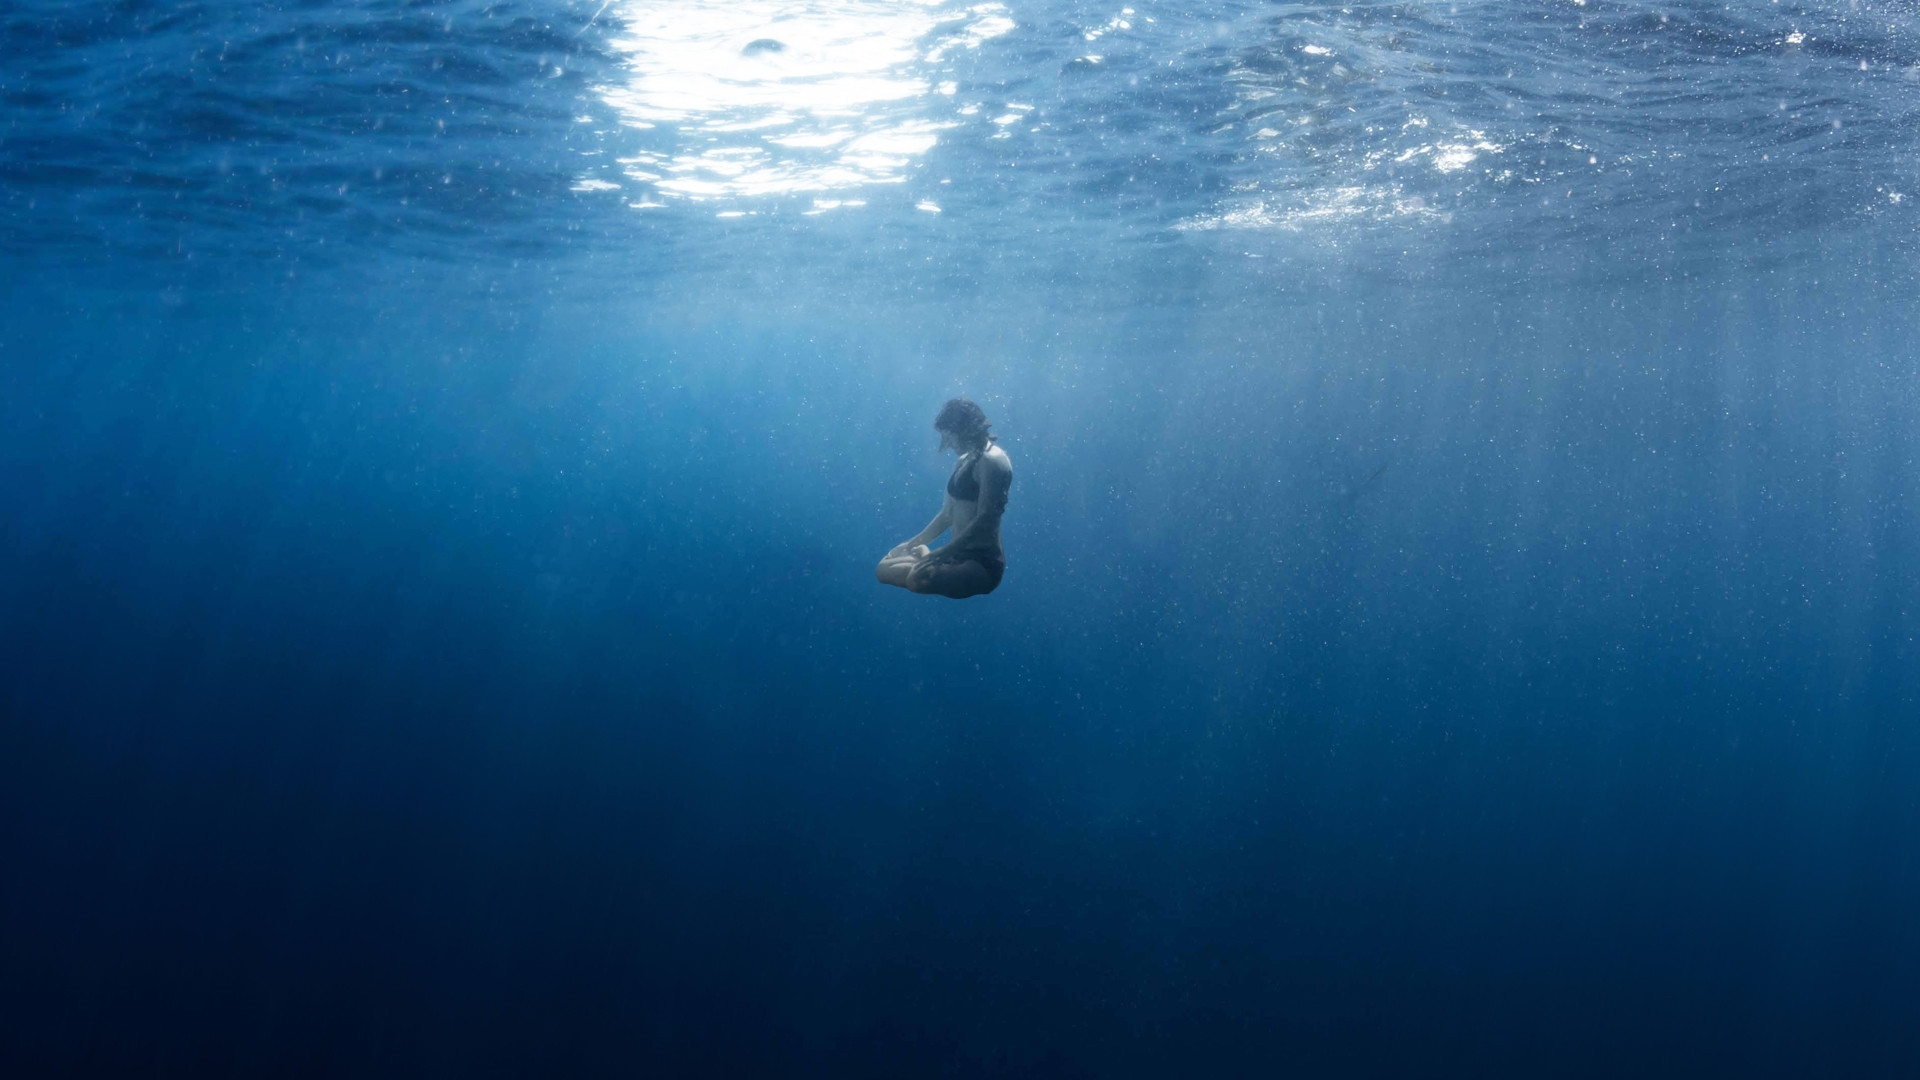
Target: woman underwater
column 971, row 563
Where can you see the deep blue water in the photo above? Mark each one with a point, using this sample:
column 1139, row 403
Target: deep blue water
column 1463, row 560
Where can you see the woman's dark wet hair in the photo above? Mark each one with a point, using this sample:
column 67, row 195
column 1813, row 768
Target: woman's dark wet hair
column 963, row 423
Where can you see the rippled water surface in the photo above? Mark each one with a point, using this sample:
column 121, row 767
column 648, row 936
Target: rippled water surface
column 519, row 127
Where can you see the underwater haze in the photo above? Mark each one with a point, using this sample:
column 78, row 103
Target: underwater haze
column 1463, row 566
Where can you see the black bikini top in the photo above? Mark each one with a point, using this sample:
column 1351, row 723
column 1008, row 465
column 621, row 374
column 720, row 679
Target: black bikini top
column 963, row 484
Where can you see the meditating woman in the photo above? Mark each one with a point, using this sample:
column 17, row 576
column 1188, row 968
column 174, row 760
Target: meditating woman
column 971, row 563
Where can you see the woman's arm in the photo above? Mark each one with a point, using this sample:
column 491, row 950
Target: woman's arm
column 933, row 530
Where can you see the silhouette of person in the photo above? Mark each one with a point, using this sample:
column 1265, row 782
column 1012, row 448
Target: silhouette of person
column 971, row 564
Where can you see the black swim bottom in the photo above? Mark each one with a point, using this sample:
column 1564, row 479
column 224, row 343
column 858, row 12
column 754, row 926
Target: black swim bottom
column 948, row 576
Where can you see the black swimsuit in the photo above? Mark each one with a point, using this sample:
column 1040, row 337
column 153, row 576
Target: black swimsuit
column 964, row 485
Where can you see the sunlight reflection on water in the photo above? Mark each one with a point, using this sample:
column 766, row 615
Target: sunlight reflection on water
column 780, row 97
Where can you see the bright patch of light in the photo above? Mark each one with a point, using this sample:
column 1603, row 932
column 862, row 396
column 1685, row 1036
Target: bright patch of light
column 1446, row 157
column 776, row 97
column 1118, row 22
column 1340, row 205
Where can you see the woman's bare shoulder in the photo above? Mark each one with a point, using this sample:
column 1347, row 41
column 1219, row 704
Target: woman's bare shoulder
column 996, row 458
